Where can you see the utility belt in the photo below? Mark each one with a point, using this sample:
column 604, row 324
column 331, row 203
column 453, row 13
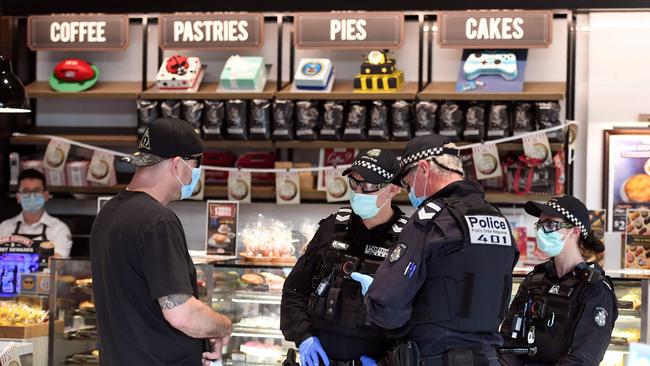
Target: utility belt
column 408, row 354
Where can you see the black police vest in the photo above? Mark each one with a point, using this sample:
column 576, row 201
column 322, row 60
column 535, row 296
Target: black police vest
column 551, row 311
column 468, row 289
column 336, row 304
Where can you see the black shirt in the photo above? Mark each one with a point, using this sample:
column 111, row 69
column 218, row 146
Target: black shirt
column 295, row 321
column 590, row 339
column 139, row 254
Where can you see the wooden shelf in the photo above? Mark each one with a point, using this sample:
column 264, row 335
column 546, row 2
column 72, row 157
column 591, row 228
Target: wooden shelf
column 342, row 90
column 208, row 90
column 392, row 145
column 102, row 90
column 85, row 190
column 532, row 91
column 515, row 199
column 132, row 141
column 98, row 140
column 267, row 193
column 230, row 144
column 260, row 193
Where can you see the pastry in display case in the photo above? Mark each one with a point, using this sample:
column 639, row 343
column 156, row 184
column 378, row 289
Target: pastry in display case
column 268, row 241
column 378, row 73
column 250, row 295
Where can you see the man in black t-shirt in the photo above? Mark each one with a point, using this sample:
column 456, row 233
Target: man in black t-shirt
column 144, row 280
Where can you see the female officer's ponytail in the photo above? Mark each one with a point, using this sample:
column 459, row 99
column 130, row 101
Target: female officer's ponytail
column 592, row 243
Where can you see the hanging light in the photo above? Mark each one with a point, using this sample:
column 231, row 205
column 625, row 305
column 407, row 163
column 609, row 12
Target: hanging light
column 13, row 98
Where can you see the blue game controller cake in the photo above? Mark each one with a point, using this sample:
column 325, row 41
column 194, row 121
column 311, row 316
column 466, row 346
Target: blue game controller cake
column 478, row 64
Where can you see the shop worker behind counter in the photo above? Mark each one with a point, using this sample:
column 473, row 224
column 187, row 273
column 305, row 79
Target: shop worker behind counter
column 565, row 308
column 144, row 282
column 322, row 307
column 34, row 222
column 448, row 279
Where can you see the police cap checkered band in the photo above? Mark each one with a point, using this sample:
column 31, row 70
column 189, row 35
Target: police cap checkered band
column 569, row 216
column 374, row 167
column 436, row 151
column 566, row 206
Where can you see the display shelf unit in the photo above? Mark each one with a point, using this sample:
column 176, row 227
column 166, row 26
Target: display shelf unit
column 209, row 90
column 102, row 90
column 533, row 91
column 342, row 90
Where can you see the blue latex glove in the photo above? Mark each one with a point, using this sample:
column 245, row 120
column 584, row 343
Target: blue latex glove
column 367, row 361
column 364, row 280
column 310, row 349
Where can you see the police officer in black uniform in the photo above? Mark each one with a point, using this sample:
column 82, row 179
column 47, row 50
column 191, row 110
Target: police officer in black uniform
column 322, row 308
column 448, row 278
column 565, row 309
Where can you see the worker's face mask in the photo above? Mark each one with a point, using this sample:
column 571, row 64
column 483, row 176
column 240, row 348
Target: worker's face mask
column 550, row 243
column 32, row 202
column 415, row 200
column 365, row 205
column 187, row 189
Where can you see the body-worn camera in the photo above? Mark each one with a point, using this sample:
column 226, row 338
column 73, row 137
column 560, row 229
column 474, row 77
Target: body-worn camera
column 349, row 264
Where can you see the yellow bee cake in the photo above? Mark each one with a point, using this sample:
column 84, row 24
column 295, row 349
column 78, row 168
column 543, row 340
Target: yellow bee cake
column 378, row 74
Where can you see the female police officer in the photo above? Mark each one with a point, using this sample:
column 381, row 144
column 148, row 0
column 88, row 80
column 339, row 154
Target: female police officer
column 565, row 308
column 322, row 308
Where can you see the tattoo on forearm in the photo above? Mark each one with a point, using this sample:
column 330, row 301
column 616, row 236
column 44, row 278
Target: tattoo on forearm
column 172, row 301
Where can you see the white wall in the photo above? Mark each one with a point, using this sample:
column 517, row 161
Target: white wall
column 618, row 84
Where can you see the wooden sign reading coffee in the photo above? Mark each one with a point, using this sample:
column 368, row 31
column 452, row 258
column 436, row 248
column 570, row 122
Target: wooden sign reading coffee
column 495, row 29
column 211, row 31
column 349, row 30
column 78, row 32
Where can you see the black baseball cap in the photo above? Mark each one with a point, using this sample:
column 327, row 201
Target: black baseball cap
column 425, row 147
column 166, row 138
column 568, row 207
column 376, row 166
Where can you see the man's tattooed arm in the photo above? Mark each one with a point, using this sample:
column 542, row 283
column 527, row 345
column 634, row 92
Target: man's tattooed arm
column 171, row 301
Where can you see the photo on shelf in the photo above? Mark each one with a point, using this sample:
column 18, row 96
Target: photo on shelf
column 221, row 228
column 627, row 174
column 492, row 71
column 637, row 239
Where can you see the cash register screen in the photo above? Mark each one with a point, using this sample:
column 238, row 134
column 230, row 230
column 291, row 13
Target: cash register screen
column 11, row 266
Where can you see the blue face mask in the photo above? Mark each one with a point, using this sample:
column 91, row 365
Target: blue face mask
column 415, row 200
column 550, row 243
column 32, row 202
column 187, row 189
column 365, row 205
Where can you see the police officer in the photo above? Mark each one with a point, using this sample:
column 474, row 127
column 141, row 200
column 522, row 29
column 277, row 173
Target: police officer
column 565, row 308
column 449, row 277
column 322, row 308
